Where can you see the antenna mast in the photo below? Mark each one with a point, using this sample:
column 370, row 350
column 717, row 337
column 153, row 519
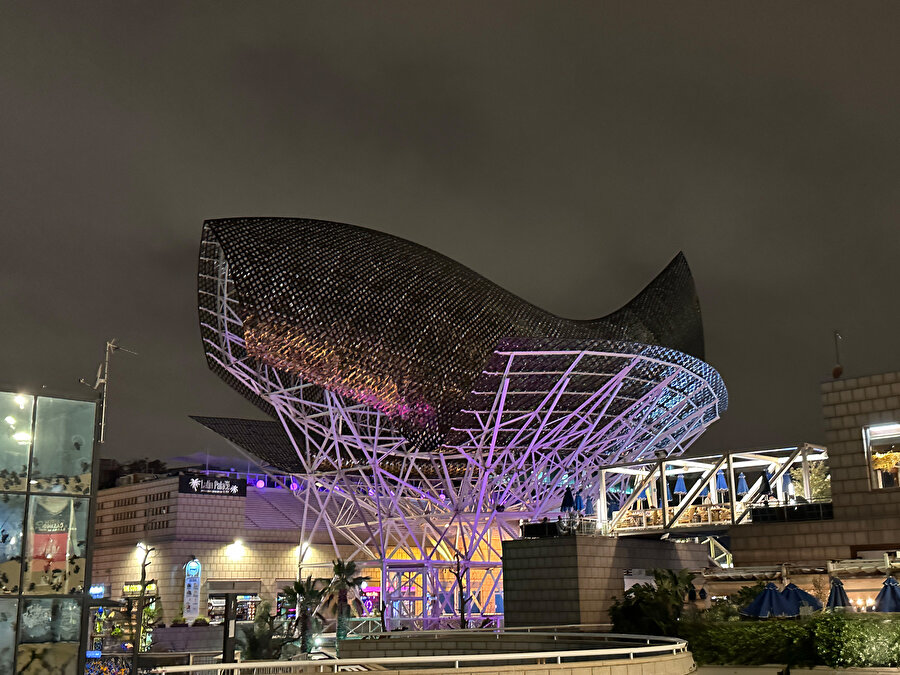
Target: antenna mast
column 102, row 382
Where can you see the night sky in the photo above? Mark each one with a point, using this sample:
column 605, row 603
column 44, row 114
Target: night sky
column 567, row 151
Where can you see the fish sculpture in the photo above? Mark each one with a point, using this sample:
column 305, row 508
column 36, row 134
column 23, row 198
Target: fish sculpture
column 389, row 323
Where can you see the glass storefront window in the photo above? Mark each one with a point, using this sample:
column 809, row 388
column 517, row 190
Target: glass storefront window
column 12, row 517
column 8, row 609
column 51, row 620
column 15, row 440
column 63, row 446
column 883, row 451
column 55, row 548
column 48, row 636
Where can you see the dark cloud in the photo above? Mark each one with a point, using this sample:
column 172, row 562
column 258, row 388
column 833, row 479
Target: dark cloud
column 566, row 152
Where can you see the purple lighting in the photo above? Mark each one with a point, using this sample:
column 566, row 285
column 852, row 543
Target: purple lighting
column 294, row 485
column 260, row 483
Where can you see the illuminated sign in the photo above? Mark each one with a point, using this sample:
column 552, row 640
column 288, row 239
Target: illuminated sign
column 191, row 608
column 199, row 484
column 133, row 589
column 93, row 654
column 192, row 569
column 97, row 591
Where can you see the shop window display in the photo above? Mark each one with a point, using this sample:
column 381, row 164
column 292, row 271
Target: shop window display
column 55, row 549
column 15, row 440
column 883, row 450
column 47, row 624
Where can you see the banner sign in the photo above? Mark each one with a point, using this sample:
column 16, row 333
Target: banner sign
column 133, row 589
column 199, row 484
column 191, row 590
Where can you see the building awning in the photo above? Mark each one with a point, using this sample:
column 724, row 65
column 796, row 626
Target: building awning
column 242, row 586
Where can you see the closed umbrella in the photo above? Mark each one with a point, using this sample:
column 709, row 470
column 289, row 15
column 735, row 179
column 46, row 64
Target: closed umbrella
column 788, row 484
column 721, row 485
column 742, row 485
column 589, row 506
column 705, row 491
column 680, row 489
column 768, row 603
column 766, row 487
column 888, row 599
column 797, row 597
column 837, row 598
column 579, row 501
column 568, row 500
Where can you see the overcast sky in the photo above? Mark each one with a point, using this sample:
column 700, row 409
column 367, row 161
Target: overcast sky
column 567, row 151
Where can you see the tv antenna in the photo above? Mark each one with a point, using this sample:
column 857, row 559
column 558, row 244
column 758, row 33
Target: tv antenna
column 101, row 382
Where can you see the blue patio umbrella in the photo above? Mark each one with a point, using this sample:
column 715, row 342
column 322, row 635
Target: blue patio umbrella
column 721, row 485
column 768, row 603
column 568, row 501
column 786, row 483
column 766, row 487
column 680, row 489
column 704, row 491
column 742, row 485
column 589, row 506
column 579, row 501
column 797, row 597
column 888, row 599
column 837, row 598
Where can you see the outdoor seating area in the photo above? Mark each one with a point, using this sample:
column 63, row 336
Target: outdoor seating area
column 708, row 492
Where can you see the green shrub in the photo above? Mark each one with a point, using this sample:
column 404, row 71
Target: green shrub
column 750, row 643
column 847, row 641
column 833, row 640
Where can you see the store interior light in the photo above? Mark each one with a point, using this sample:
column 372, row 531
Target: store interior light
column 21, row 437
column 20, row 401
column 260, row 483
column 10, row 420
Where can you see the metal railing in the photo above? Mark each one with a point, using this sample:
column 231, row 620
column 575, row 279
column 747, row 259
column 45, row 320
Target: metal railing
column 644, row 646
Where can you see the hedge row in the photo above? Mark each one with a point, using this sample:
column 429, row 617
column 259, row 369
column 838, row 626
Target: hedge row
column 834, row 640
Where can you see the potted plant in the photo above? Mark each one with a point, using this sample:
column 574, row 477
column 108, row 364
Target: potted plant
column 200, row 621
column 179, row 621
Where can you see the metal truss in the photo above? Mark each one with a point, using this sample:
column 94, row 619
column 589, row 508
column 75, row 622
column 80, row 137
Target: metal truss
column 549, row 419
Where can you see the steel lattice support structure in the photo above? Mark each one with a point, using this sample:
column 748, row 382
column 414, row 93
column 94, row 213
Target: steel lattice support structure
column 543, row 414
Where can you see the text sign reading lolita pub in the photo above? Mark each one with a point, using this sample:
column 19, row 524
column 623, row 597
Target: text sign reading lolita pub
column 198, row 484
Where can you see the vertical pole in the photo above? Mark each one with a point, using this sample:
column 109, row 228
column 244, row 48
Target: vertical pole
column 602, row 512
column 807, row 490
column 731, row 495
column 663, row 494
column 228, row 626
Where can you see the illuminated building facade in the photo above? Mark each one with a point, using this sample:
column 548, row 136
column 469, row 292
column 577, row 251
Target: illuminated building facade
column 46, row 495
column 421, row 410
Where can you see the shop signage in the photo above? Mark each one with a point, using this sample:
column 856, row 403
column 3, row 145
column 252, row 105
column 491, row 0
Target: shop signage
column 97, row 591
column 199, row 484
column 133, row 589
column 191, row 590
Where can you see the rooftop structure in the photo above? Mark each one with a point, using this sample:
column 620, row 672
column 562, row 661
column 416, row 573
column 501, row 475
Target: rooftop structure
column 429, row 408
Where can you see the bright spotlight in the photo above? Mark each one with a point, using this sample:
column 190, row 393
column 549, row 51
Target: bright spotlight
column 235, row 550
column 260, row 483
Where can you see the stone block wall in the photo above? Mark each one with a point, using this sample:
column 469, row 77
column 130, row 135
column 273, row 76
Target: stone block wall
column 863, row 518
column 572, row 579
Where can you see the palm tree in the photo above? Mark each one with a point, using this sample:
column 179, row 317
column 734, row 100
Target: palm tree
column 343, row 581
column 305, row 597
